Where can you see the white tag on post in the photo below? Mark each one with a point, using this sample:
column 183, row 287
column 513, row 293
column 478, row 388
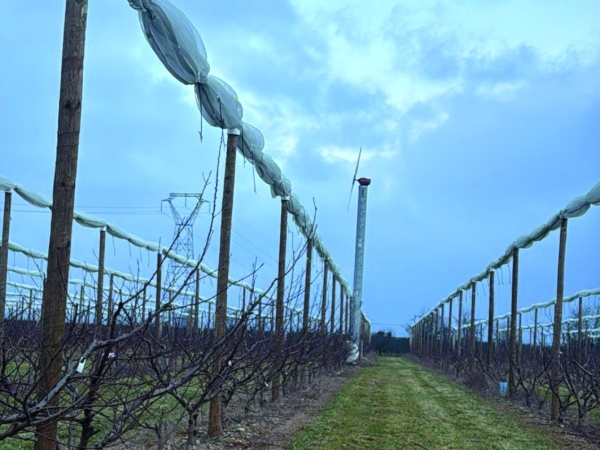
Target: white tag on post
column 81, row 366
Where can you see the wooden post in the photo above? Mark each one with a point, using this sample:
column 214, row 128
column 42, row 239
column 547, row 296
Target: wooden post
column 442, row 331
column 579, row 319
column 481, row 341
column 81, row 303
column 144, row 299
column 157, row 302
column 307, row 281
column 459, row 337
column 341, row 309
column 110, row 300
column 332, row 320
column 190, row 315
column 324, row 300
column 61, row 227
column 490, row 338
column 283, row 228
column 196, row 323
column 497, row 331
column 587, row 340
column 260, row 315
column 558, row 314
column 450, row 343
column 513, row 324
column 347, row 317
column 100, row 292
column 30, row 314
column 520, row 352
column 535, row 326
column 4, row 258
column 472, row 332
column 169, row 311
column 215, row 425
column 436, row 318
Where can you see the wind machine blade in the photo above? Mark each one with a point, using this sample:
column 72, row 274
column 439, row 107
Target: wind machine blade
column 354, row 179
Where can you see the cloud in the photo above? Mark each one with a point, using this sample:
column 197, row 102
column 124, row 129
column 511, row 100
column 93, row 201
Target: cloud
column 420, row 126
column 333, row 154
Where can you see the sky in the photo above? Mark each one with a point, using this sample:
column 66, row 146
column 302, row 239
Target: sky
column 478, row 121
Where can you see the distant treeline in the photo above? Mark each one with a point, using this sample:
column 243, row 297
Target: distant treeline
column 384, row 343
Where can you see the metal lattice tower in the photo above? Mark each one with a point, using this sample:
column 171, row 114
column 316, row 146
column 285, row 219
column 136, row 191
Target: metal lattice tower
column 183, row 236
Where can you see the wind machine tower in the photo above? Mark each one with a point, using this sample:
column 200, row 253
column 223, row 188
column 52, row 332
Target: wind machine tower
column 359, row 258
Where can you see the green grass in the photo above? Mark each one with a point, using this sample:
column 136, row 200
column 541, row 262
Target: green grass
column 399, row 405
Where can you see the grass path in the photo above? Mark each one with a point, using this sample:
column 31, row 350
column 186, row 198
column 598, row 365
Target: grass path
column 399, row 405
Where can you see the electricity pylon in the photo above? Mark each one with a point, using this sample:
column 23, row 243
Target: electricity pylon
column 183, row 236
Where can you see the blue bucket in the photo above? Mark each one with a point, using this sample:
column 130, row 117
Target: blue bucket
column 503, row 388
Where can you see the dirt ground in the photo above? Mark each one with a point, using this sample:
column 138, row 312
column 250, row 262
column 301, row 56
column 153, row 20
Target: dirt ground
column 563, row 435
column 273, row 426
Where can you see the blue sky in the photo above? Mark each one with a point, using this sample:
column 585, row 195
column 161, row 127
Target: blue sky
column 478, row 121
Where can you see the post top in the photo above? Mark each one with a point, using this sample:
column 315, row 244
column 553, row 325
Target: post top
column 364, row 181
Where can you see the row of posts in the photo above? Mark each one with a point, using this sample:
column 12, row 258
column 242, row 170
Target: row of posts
column 341, row 324
column 26, row 305
column 61, row 226
column 429, row 334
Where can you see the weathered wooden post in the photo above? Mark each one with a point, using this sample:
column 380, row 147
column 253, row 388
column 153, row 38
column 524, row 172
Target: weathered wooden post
column 244, row 299
column 442, row 330
column 513, row 323
column 215, row 425
column 497, row 331
column 490, row 336
column 100, row 292
column 435, row 331
column 110, row 300
column 4, row 258
column 579, row 319
column 30, row 315
column 275, row 386
column 169, row 322
column 63, row 201
column 324, row 300
column 307, row 284
column 157, row 302
column 341, row 309
column 535, row 327
column 472, row 331
column 144, row 299
column 543, row 340
column 558, row 314
column 347, row 318
column 332, row 319
column 520, row 352
column 450, row 343
column 459, row 334
column 81, row 303
column 481, row 341
column 196, row 319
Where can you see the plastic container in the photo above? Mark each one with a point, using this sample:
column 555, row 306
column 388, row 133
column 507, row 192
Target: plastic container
column 503, row 388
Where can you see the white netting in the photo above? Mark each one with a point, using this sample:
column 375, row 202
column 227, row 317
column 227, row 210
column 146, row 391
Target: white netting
column 179, row 47
column 219, row 104
column 174, row 39
column 575, row 208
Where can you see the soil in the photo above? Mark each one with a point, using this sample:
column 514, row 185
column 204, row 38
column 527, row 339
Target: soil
column 563, row 435
column 272, row 427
